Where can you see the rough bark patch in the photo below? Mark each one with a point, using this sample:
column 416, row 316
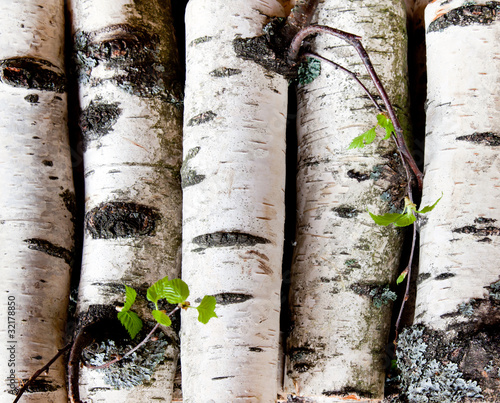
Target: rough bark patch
column 33, row 74
column 303, row 358
column 486, row 138
column 190, row 177
column 346, row 211
column 49, row 248
column 224, row 72
column 467, row 15
column 202, row 118
column 134, row 54
column 474, row 230
column 32, row 98
column 222, row 239
column 121, row 220
column 97, row 120
column 358, row 175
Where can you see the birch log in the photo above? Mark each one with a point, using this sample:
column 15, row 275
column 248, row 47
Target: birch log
column 233, row 179
column 37, row 198
column 126, row 58
column 452, row 351
column 343, row 261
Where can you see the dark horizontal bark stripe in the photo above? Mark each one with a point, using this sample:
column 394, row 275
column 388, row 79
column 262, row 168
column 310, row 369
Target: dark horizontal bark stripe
column 346, row 211
column 202, row 39
column 473, row 229
column 486, row 138
column 201, row 118
column 467, row 15
column 224, row 72
column 220, row 378
column 222, row 239
column 33, row 74
column 190, row 177
column 49, row 248
column 358, row 175
column 228, row 298
column 121, row 220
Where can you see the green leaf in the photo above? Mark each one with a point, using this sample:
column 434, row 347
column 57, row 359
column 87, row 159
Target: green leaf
column 385, row 123
column 308, row 70
column 206, row 309
column 130, row 296
column 385, row 219
column 131, row 321
column 155, row 292
column 176, row 291
column 426, row 209
column 405, row 219
column 161, row 317
column 402, row 276
column 365, row 138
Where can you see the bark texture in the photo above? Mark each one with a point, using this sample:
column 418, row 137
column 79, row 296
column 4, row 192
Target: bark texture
column 233, row 179
column 37, row 198
column 457, row 306
column 343, row 261
column 126, row 60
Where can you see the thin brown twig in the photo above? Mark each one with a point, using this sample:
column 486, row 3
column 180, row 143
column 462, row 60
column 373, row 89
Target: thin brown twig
column 41, row 370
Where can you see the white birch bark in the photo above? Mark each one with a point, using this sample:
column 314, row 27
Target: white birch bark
column 457, row 293
column 37, row 198
column 233, row 205
column 126, row 56
column 336, row 348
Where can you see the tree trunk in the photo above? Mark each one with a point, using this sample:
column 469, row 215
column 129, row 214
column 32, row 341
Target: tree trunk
column 452, row 350
column 343, row 261
column 126, row 59
column 37, row 199
column 233, row 179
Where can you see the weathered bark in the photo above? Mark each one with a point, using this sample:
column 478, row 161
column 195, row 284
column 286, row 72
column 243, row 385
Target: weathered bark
column 126, row 60
column 451, row 353
column 37, row 198
column 343, row 261
column 233, row 179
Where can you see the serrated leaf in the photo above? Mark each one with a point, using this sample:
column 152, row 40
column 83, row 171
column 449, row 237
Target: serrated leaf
column 365, row 138
column 161, row 317
column 206, row 309
column 402, row 276
column 155, row 292
column 426, row 209
column 385, row 123
column 176, row 291
column 131, row 321
column 385, row 219
column 405, row 219
column 130, row 295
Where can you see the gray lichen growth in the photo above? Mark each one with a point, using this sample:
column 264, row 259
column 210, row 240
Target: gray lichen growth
column 495, row 290
column 308, row 71
column 428, row 381
column 382, row 296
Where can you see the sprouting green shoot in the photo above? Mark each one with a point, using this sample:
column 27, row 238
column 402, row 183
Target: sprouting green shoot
column 369, row 136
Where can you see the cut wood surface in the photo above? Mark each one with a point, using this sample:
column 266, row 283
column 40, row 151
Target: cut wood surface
column 37, row 201
column 233, row 179
column 126, row 60
column 343, row 261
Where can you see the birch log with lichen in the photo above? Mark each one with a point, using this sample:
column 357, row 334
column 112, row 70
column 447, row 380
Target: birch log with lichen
column 37, row 201
column 233, row 180
column 126, row 60
column 454, row 343
column 343, row 262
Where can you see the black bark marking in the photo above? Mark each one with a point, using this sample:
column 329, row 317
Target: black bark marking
column 303, row 358
column 219, row 378
column 49, row 248
column 467, row 15
column 444, row 276
column 69, row 200
column 190, row 177
column 97, row 120
column 486, row 138
column 47, row 163
column 121, row 220
column 223, row 239
column 483, row 232
column 349, row 391
column 224, row 72
column 256, row 349
column 32, row 98
column 423, row 276
column 228, row 298
column 484, row 220
column 134, row 54
column 358, row 175
column 53, row 178
column 346, row 211
column 33, row 74
column 203, row 117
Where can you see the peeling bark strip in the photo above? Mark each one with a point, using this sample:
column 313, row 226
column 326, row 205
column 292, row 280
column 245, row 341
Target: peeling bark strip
column 97, row 120
column 488, row 138
column 121, row 220
column 33, row 74
column 467, row 15
column 134, row 54
column 222, row 239
column 49, row 248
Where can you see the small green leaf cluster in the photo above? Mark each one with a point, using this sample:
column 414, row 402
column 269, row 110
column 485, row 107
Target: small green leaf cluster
column 369, row 136
column 407, row 217
column 173, row 291
column 308, row 70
